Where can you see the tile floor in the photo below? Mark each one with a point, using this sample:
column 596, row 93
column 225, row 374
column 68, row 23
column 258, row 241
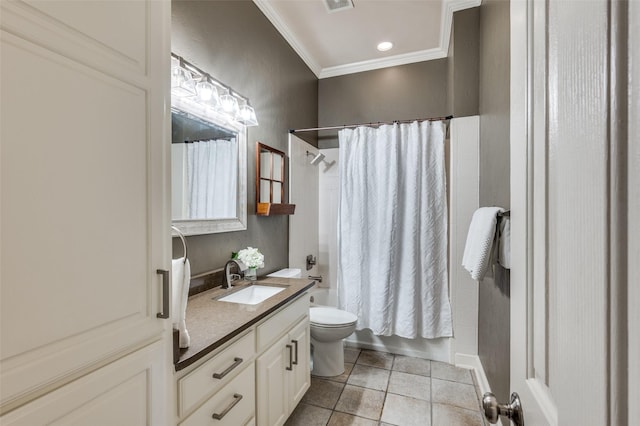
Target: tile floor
column 379, row 388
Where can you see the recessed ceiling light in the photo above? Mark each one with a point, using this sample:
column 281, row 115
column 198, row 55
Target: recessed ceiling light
column 384, row 46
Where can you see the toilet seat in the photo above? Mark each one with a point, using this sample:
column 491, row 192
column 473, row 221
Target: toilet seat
column 327, row 317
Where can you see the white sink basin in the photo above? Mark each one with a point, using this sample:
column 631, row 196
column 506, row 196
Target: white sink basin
column 252, row 295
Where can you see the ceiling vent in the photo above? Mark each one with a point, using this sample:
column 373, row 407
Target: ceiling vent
column 337, row 5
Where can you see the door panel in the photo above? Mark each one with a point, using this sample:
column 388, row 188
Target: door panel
column 123, row 393
column 272, row 381
column 567, row 176
column 84, row 209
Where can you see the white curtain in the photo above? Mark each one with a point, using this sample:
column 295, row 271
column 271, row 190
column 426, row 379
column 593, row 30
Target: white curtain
column 212, row 179
column 392, row 229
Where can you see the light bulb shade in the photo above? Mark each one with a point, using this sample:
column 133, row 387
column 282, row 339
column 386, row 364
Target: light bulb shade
column 229, row 104
column 182, row 83
column 246, row 115
column 206, row 91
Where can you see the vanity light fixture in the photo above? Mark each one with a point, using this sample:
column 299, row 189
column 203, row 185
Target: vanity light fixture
column 193, row 86
column 384, row 46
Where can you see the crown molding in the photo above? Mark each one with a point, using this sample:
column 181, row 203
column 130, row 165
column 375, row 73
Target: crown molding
column 449, row 7
column 268, row 11
column 389, row 61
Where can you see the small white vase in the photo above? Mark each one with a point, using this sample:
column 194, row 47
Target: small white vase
column 251, row 274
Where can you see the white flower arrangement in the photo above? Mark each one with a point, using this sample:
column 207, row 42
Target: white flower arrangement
column 251, row 257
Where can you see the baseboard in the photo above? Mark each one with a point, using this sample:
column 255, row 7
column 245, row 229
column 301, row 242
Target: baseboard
column 435, row 355
column 386, row 348
column 472, row 362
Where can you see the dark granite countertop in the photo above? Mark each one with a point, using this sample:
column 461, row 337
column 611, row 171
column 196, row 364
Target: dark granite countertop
column 211, row 323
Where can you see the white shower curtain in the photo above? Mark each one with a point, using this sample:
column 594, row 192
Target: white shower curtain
column 212, row 179
column 392, row 229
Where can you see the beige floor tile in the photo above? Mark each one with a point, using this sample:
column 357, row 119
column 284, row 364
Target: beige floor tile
column 444, row 371
column 369, row 377
column 411, row 365
column 351, row 355
column 308, row 415
column 344, row 376
column 447, row 415
column 412, row 385
column 361, row 402
column 404, row 411
column 344, row 419
column 454, row 393
column 375, row 359
column 323, row 393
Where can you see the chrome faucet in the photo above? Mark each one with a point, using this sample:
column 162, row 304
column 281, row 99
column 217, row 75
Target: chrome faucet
column 229, row 277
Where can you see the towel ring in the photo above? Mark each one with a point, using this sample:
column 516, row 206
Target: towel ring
column 184, row 242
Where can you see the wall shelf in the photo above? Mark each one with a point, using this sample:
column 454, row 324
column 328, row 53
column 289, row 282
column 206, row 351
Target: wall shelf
column 270, row 209
column 270, row 182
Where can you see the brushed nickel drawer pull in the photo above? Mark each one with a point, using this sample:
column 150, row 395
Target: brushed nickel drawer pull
column 295, row 342
column 236, row 362
column 236, row 398
column 290, row 367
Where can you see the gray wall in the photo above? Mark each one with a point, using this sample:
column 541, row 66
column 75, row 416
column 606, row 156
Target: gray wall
column 425, row 89
column 397, row 93
column 464, row 63
column 236, row 43
column 493, row 315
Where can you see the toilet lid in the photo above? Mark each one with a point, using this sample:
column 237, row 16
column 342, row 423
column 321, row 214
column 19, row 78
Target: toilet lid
column 331, row 317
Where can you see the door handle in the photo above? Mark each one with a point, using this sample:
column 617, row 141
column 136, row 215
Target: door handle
column 295, row 343
column 165, row 293
column 290, row 367
column 493, row 409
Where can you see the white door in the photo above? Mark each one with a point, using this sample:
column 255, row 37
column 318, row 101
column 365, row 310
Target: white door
column 569, row 226
column 84, row 200
column 303, row 192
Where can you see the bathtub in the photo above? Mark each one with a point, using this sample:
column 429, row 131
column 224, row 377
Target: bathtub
column 435, row 349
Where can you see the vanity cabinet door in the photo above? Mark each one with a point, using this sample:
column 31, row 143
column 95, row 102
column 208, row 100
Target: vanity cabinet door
column 273, row 384
column 283, row 376
column 84, row 206
column 301, row 374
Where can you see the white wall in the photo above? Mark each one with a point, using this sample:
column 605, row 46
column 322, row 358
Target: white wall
column 463, row 201
column 303, row 192
column 329, row 197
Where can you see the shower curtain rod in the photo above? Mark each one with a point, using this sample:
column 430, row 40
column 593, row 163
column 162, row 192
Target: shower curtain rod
column 379, row 123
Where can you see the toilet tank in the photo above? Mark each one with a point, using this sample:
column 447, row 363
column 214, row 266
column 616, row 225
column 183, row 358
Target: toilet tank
column 287, row 273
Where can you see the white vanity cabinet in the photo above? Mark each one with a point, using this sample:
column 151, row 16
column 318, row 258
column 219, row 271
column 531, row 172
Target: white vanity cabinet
column 216, row 381
column 85, row 211
column 255, row 379
column 282, row 371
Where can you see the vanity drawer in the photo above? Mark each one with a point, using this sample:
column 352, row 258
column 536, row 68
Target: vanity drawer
column 234, row 404
column 201, row 383
column 282, row 321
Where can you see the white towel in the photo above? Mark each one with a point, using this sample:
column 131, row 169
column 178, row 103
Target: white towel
column 181, row 274
column 504, row 243
column 482, row 233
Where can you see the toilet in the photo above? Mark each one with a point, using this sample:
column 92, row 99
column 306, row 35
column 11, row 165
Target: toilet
column 328, row 327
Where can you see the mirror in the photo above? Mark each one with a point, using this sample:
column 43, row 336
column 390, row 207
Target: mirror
column 208, row 169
